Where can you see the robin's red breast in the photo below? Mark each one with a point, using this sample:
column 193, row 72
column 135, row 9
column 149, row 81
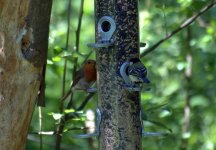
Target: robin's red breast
column 86, row 76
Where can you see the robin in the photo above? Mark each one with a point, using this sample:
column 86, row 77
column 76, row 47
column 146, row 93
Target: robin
column 84, row 78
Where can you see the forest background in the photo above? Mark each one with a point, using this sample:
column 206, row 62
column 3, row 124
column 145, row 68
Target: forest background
column 182, row 70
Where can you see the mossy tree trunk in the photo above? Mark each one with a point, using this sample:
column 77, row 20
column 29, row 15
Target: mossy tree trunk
column 20, row 71
column 120, row 128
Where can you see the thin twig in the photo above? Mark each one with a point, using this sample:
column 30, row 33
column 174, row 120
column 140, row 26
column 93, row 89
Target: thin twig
column 90, row 95
column 41, row 96
column 67, row 94
column 182, row 26
column 70, row 103
column 79, row 25
column 65, row 59
column 50, row 144
column 62, row 121
column 87, row 56
column 63, row 84
column 60, row 128
column 187, row 107
column 51, row 133
column 40, row 127
column 70, row 92
column 82, row 128
column 165, row 18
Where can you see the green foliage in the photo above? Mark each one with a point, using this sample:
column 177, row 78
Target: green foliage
column 164, row 104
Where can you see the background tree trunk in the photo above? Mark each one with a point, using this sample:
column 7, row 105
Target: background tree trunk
column 20, row 76
column 120, row 127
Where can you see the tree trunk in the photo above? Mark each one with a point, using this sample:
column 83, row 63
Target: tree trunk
column 20, row 70
column 120, row 128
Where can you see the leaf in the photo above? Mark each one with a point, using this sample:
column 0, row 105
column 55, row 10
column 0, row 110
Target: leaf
column 66, row 54
column 199, row 100
column 79, row 119
column 56, row 59
column 49, row 62
column 69, row 111
column 186, row 135
column 57, row 50
column 160, row 125
column 164, row 113
column 56, row 116
column 159, row 6
column 156, row 107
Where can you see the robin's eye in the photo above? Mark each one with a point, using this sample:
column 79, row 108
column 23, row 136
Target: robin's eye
column 89, row 62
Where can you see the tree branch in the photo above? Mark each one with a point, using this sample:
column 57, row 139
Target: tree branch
column 70, row 103
column 65, row 59
column 52, row 133
column 181, row 27
column 40, row 126
column 85, row 101
column 79, row 25
column 60, row 127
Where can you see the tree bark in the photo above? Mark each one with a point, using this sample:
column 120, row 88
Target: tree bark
column 20, row 76
column 120, row 128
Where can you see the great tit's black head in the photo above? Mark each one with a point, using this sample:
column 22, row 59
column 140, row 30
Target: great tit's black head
column 134, row 60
